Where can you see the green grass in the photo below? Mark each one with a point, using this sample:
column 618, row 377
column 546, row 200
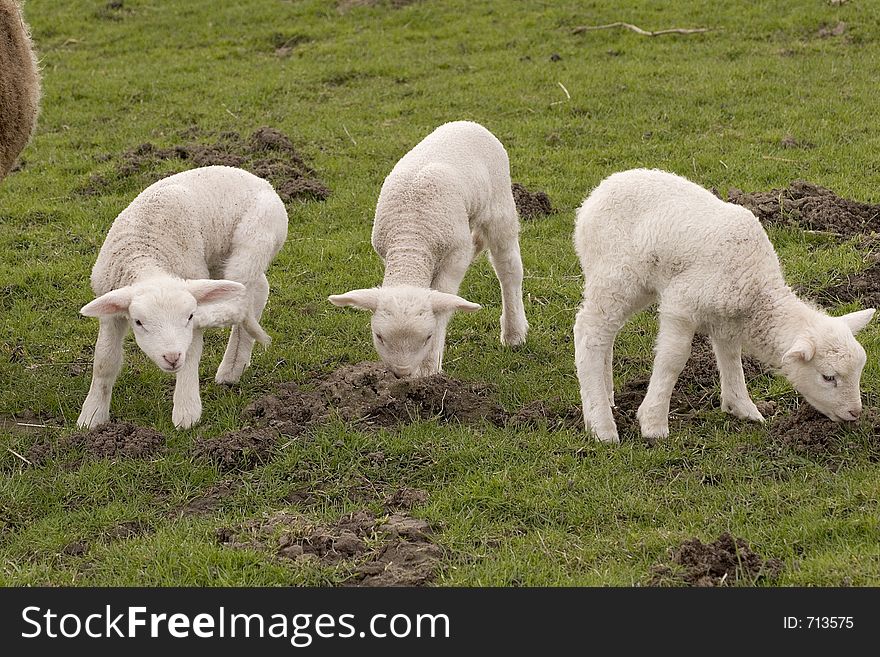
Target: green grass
column 357, row 90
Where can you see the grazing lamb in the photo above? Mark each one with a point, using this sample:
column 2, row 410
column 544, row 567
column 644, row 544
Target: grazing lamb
column 155, row 274
column 646, row 236
column 19, row 85
column 442, row 204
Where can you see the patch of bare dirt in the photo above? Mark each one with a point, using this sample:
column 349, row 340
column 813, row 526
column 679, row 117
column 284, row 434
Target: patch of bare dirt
column 552, row 414
column 788, row 141
column 811, row 207
column 371, row 396
column 209, row 501
column 394, row 551
column 115, row 440
column 267, row 153
column 404, row 499
column 836, row 30
column 863, row 287
column 807, row 432
column 127, row 529
column 531, row 205
column 725, row 561
column 236, row 450
column 344, row 6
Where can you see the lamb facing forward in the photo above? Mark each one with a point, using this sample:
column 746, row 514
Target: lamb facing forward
column 442, row 204
column 19, row 85
column 155, row 274
column 645, row 236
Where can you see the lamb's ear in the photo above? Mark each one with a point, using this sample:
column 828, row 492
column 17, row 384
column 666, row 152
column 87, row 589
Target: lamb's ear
column 858, row 320
column 442, row 302
column 112, row 303
column 802, row 349
column 365, row 299
column 206, row 290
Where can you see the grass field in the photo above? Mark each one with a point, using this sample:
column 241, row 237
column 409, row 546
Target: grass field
column 355, row 85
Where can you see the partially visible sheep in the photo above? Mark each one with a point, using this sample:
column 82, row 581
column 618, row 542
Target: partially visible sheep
column 442, row 204
column 19, row 85
column 645, row 236
column 156, row 274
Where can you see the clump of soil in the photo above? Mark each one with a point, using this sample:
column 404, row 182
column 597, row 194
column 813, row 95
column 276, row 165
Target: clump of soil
column 127, row 529
column 788, row 141
column 807, row 432
column 371, row 396
column 832, row 30
column 236, row 450
column 209, row 501
column 811, row 207
column 396, row 551
column 863, row 287
column 404, row 499
column 531, row 205
column 109, row 441
column 725, row 561
column 267, row 153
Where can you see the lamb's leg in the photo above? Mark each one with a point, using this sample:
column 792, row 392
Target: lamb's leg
column 594, row 333
column 108, row 363
column 673, row 350
column 241, row 343
column 734, row 394
column 609, row 374
column 448, row 279
column 187, row 402
column 507, row 262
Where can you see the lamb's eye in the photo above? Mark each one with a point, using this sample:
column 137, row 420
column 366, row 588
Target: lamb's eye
column 829, row 379
column 138, row 322
column 379, row 338
column 190, row 318
column 428, row 339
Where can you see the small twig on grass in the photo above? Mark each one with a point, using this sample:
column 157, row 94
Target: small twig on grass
column 567, row 95
column 780, row 159
column 18, row 455
column 638, row 30
column 349, row 135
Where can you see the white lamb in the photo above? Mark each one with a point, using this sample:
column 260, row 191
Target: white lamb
column 156, row 275
column 442, row 204
column 646, row 236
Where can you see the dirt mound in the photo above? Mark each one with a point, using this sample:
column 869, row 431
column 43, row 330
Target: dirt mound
column 863, row 287
column 725, row 561
column 236, row 450
column 114, row 440
column 396, row 551
column 807, row 432
column 370, row 396
column 812, row 207
column 531, row 205
column 267, row 153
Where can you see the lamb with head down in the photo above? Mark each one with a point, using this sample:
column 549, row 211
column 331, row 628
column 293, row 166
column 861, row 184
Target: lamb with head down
column 443, row 203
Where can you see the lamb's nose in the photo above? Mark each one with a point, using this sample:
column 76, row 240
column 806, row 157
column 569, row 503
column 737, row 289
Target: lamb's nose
column 401, row 372
column 172, row 358
column 855, row 412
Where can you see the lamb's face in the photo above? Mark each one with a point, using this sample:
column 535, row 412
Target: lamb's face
column 403, row 331
column 162, row 321
column 829, row 377
column 405, row 323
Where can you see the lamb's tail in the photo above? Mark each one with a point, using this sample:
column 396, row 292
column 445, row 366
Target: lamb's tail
column 256, row 331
